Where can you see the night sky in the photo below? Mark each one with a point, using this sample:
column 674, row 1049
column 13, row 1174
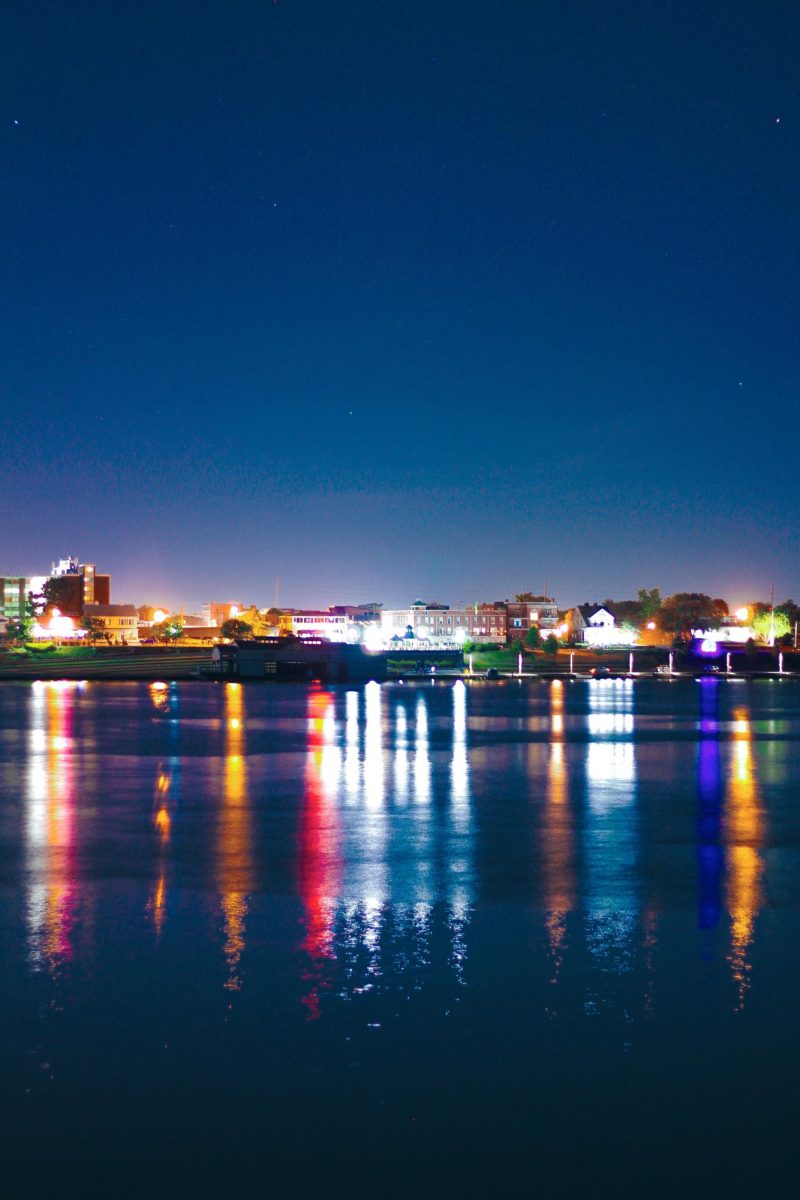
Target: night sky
column 439, row 299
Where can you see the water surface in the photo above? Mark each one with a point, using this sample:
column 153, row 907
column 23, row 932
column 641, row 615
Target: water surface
column 399, row 939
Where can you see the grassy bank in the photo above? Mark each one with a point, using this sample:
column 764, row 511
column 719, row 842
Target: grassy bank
column 94, row 662
column 506, row 659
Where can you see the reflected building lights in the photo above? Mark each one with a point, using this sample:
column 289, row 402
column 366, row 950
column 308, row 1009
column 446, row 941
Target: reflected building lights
column 50, row 825
column 710, row 854
column 234, row 863
column 319, row 842
column 422, row 762
column 558, row 849
column 162, row 821
column 611, row 829
column 460, row 864
column 354, row 931
column 743, row 829
column 352, row 763
column 373, row 747
column 459, row 763
column 401, row 760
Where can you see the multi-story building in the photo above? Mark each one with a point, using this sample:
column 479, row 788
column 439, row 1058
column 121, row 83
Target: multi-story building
column 435, row 621
column 79, row 586
column 217, row 612
column 541, row 612
column 362, row 614
column 14, row 593
column 334, row 626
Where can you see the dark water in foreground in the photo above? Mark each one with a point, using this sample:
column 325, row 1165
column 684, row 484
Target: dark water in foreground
column 412, row 940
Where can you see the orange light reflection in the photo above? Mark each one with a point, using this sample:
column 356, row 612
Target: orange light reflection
column 234, row 861
column 743, row 827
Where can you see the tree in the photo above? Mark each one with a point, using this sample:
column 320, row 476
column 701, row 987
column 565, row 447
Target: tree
column 524, row 597
column 771, row 626
column 551, row 644
column 684, row 611
column 59, row 592
column 168, row 631
column 533, row 638
column 624, row 610
column 94, row 629
column 262, row 624
column 236, row 628
column 791, row 610
column 649, row 603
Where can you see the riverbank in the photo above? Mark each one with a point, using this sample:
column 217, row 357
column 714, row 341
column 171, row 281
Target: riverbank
column 116, row 663
column 177, row 662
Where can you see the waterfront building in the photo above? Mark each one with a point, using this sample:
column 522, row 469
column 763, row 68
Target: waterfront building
column 317, row 623
column 440, row 623
column 296, row 658
column 119, row 622
column 541, row 612
column 596, row 625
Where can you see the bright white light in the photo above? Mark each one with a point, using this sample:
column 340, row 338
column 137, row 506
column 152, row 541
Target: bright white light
column 373, row 638
column 651, row 625
column 608, row 636
column 460, row 635
column 159, row 615
column 742, row 614
column 709, row 645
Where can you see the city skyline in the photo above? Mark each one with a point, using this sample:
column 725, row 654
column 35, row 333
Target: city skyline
column 171, row 598
column 436, row 300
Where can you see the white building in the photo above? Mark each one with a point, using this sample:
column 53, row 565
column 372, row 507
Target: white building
column 597, row 626
column 315, row 623
column 444, row 625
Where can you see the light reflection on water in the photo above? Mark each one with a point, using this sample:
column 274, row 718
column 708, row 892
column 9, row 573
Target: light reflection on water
column 52, row 894
column 235, row 835
column 514, row 863
column 390, row 817
column 743, row 827
column 389, row 821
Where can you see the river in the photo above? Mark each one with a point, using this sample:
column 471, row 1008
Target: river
column 399, row 939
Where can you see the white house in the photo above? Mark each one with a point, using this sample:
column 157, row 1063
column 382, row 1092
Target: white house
column 597, row 626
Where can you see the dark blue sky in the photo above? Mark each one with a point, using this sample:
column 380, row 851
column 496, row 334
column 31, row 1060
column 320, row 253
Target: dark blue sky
column 389, row 300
